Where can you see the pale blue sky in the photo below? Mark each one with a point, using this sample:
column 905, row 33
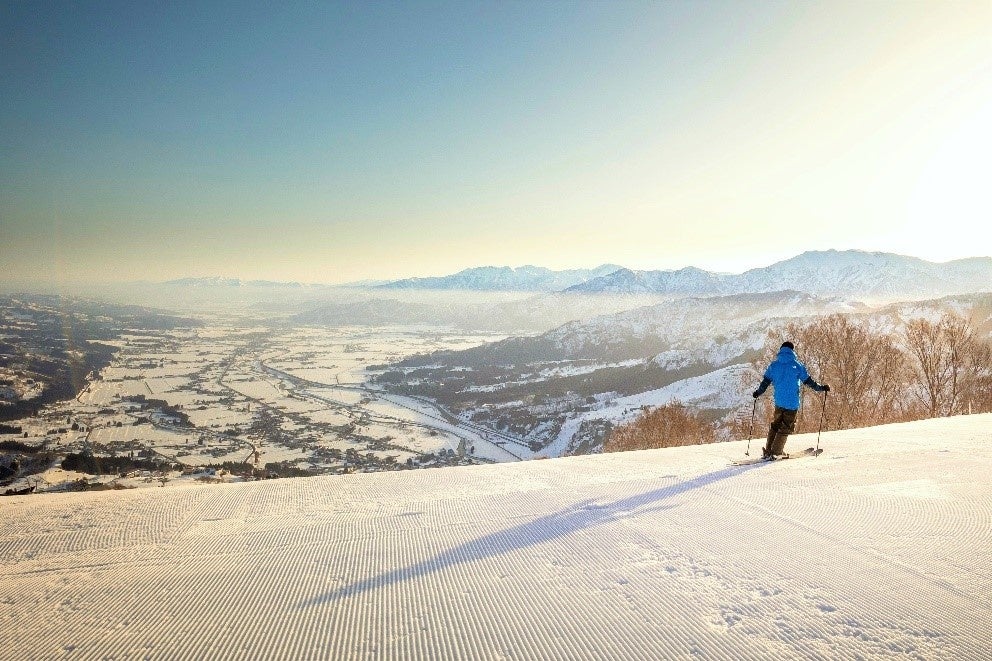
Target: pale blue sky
column 328, row 142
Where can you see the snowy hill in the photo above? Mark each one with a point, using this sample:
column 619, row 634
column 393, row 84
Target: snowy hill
column 688, row 322
column 877, row 549
column 690, row 325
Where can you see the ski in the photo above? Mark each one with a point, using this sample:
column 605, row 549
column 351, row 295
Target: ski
column 808, row 452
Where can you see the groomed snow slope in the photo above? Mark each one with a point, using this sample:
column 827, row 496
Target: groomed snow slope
column 879, row 548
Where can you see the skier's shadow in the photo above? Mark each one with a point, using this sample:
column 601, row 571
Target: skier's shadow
column 581, row 516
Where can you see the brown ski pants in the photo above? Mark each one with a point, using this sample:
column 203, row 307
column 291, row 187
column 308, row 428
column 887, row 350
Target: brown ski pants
column 782, row 425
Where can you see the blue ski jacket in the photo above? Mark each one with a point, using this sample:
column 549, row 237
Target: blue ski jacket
column 786, row 373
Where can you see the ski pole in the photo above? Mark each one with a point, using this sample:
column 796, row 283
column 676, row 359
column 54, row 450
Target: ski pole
column 823, row 412
column 750, row 429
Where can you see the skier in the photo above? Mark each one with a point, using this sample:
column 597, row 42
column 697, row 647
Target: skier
column 785, row 374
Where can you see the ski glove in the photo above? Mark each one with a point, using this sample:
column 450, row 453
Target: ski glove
column 825, row 388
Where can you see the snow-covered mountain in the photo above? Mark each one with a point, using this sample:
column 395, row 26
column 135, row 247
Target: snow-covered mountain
column 505, row 278
column 851, row 273
column 687, row 281
column 846, row 273
column 877, row 549
column 872, row 275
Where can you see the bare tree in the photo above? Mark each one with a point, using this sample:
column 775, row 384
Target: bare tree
column 978, row 389
column 866, row 370
column 949, row 362
column 933, row 368
column 666, row 426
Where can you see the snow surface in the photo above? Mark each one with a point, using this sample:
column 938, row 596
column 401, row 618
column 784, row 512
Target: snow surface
column 877, row 549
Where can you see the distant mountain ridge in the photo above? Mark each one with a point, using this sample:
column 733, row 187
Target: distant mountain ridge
column 876, row 274
column 690, row 281
column 506, row 278
column 845, row 273
column 823, row 273
column 220, row 281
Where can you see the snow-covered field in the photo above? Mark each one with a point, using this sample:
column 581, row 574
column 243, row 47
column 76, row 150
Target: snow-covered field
column 237, row 386
column 877, row 549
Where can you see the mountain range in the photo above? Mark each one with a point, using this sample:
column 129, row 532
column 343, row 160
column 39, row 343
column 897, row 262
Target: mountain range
column 505, row 278
column 854, row 273
column 847, row 273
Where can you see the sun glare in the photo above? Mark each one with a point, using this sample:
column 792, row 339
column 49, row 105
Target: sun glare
column 952, row 194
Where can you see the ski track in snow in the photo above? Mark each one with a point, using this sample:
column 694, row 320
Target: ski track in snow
column 876, row 549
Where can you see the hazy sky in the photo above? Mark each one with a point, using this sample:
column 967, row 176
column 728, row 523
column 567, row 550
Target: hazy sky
column 327, row 142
